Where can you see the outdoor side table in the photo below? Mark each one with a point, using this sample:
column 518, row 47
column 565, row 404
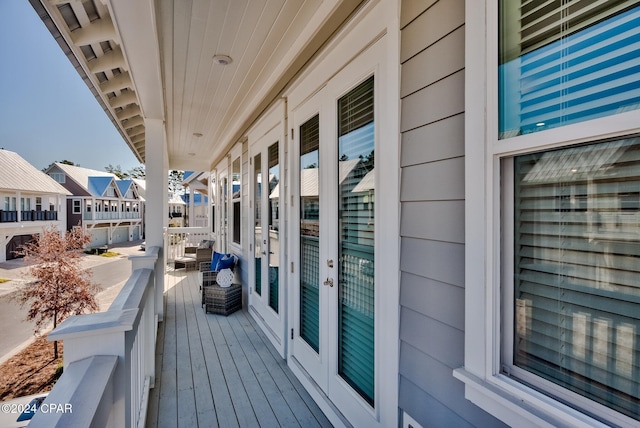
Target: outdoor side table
column 187, row 263
column 224, row 301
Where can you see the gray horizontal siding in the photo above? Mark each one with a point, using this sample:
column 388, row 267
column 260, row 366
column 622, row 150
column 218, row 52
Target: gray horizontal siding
column 434, row 63
column 432, row 196
column 437, row 300
column 412, row 9
column 435, row 181
column 436, row 380
column 444, row 98
column 440, row 261
column 440, row 140
column 439, row 341
column 436, row 22
column 425, row 409
column 445, row 218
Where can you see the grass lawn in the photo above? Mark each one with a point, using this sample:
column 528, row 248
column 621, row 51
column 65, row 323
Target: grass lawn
column 110, row 254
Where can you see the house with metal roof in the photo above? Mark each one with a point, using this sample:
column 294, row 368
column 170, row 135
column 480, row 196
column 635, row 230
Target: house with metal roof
column 29, row 201
column 177, row 210
column 110, row 209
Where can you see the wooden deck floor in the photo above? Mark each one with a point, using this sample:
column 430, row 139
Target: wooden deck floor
column 217, row 371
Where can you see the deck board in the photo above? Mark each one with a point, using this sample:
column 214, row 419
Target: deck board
column 217, row 371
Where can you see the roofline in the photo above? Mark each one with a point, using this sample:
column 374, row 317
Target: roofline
column 66, row 49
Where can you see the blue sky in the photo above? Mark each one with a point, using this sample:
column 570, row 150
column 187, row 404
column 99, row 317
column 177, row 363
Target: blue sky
column 47, row 113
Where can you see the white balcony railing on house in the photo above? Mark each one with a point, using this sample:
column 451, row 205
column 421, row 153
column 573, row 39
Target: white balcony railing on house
column 111, row 215
column 109, row 358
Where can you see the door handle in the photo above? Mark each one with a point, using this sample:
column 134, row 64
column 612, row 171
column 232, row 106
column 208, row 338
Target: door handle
column 329, row 282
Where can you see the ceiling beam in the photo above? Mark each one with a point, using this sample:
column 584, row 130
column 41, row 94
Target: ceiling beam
column 98, row 31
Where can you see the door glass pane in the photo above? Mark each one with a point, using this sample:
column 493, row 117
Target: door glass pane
column 257, row 161
column 356, row 242
column 213, row 204
column 274, row 233
column 224, row 214
column 309, row 233
column 235, row 196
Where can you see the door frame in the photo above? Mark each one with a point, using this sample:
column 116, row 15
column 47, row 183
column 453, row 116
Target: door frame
column 221, row 173
column 300, row 351
column 367, row 44
column 270, row 129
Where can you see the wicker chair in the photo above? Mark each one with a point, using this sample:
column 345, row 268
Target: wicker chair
column 203, row 255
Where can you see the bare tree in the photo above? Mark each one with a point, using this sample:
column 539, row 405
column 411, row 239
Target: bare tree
column 61, row 287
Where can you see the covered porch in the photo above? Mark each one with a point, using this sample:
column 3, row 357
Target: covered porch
column 245, row 109
column 213, row 370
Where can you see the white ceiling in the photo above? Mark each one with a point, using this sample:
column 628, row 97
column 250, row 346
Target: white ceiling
column 154, row 59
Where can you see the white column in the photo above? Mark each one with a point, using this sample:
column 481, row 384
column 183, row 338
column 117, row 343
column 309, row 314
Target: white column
column 192, row 211
column 19, row 206
column 157, row 200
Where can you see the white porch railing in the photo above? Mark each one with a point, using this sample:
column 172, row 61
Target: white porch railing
column 109, row 358
column 177, row 239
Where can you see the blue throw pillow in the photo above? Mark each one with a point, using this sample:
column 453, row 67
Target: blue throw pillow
column 215, row 258
column 226, row 262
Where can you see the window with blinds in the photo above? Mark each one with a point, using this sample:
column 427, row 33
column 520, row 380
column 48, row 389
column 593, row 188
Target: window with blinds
column 236, row 200
column 576, row 282
column 356, row 190
column 566, row 61
column 273, row 164
column 257, row 237
column 310, row 233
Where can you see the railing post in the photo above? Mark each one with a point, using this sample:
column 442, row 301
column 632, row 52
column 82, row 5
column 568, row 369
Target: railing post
column 150, row 316
column 103, row 333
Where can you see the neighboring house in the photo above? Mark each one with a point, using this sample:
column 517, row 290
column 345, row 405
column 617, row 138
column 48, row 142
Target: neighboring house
column 141, row 187
column 177, row 211
column 30, row 201
column 109, row 209
column 197, row 209
column 496, row 280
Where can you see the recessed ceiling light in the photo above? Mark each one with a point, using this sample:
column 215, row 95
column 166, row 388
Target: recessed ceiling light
column 222, row 59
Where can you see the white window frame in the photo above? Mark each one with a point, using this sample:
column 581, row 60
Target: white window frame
column 505, row 398
column 76, row 209
column 60, row 177
column 235, row 154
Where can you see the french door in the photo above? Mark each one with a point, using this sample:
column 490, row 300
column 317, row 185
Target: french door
column 267, row 296
column 334, row 335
